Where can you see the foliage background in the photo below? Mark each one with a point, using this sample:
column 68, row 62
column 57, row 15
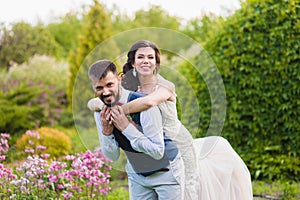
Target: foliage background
column 256, row 50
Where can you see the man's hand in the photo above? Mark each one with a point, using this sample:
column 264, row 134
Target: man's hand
column 105, row 116
column 118, row 118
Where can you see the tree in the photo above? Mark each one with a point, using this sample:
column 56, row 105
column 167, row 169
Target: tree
column 156, row 18
column 22, row 41
column 96, row 28
column 204, row 28
column 66, row 32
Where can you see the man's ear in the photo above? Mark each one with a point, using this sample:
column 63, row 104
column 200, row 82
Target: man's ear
column 119, row 78
column 94, row 84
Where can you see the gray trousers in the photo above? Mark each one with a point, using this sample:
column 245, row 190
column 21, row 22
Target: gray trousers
column 167, row 185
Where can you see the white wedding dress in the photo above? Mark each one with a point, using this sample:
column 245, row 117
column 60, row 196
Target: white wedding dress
column 213, row 170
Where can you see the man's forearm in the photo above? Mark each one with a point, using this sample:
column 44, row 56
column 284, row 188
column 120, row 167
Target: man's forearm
column 151, row 141
column 141, row 143
column 108, row 144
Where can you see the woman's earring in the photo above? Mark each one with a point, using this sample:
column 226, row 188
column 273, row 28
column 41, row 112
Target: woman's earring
column 134, row 72
column 154, row 71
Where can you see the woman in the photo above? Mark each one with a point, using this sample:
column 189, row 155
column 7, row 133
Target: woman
column 213, row 170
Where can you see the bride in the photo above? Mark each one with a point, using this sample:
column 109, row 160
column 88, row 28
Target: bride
column 213, row 170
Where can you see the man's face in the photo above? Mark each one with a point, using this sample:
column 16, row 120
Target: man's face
column 108, row 89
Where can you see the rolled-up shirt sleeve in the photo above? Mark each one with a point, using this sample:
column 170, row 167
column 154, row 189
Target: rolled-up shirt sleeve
column 151, row 141
column 108, row 144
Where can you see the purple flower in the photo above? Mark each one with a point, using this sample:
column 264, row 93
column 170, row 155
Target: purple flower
column 53, row 178
column 70, row 157
column 2, row 157
column 41, row 148
column 67, row 195
column 60, row 186
column 45, row 156
column 29, row 151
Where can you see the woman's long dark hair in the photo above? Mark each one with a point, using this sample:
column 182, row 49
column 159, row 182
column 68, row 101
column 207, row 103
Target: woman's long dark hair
column 129, row 81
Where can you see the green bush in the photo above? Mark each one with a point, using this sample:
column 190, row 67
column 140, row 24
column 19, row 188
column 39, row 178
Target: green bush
column 276, row 190
column 273, row 166
column 56, row 142
column 42, row 69
column 34, row 95
column 257, row 53
column 16, row 112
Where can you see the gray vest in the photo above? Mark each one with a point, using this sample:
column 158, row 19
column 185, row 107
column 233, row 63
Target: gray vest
column 141, row 162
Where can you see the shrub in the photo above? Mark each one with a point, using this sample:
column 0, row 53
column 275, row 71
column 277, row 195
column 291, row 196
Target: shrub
column 257, row 52
column 42, row 69
column 57, row 142
column 50, row 76
column 16, row 112
column 33, row 95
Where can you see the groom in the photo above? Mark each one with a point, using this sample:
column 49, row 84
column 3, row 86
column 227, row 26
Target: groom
column 154, row 165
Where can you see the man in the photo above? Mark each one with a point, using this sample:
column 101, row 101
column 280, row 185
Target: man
column 155, row 168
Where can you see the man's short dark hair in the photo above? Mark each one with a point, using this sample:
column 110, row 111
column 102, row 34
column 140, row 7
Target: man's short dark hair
column 100, row 69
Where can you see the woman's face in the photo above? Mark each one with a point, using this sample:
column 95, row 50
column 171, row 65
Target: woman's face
column 145, row 61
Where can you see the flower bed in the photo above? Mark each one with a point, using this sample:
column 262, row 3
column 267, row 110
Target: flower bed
column 83, row 175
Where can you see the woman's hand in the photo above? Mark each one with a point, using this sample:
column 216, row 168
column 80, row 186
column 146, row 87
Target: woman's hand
column 118, row 118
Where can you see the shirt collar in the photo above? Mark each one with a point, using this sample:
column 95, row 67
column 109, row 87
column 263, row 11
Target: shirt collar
column 124, row 95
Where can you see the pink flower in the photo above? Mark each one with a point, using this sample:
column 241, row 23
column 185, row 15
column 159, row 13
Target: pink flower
column 41, row 148
column 45, row 156
column 67, row 195
column 2, row 158
column 29, row 151
column 89, row 167
column 53, row 178
column 5, row 135
column 70, row 157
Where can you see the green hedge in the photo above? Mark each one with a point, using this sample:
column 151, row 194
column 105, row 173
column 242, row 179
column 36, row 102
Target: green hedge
column 258, row 54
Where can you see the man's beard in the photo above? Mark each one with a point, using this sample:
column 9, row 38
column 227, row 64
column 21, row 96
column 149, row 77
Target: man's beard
column 111, row 104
